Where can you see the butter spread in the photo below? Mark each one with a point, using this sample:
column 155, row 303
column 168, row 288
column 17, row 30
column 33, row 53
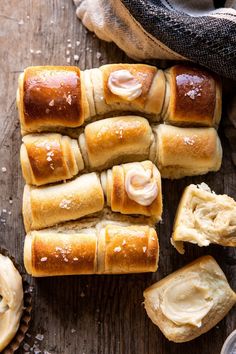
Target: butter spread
column 141, row 186
column 11, row 301
column 122, row 83
column 186, row 302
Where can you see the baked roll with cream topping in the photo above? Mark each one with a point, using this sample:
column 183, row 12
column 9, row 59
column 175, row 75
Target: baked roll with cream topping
column 204, row 217
column 129, row 88
column 133, row 188
column 193, row 97
column 92, row 247
column 47, row 158
column 190, row 301
column 11, row 304
column 187, row 151
column 51, row 97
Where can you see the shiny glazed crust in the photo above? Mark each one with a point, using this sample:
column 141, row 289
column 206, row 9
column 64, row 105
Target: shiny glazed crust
column 47, row 158
column 51, row 96
column 115, row 140
column 223, row 300
column 106, row 247
column 192, row 97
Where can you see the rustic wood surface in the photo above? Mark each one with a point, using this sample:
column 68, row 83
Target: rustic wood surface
column 88, row 314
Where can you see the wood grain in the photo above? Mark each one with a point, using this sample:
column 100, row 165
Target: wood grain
column 88, row 314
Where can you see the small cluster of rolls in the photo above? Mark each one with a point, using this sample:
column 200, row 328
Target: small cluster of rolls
column 60, row 97
column 178, row 152
column 133, row 188
column 129, row 244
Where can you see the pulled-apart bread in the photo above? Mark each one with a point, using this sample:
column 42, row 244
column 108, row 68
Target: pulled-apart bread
column 204, row 217
column 190, row 301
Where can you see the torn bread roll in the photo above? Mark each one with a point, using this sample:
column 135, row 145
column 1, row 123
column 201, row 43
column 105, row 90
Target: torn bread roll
column 134, row 188
column 107, row 247
column 128, row 88
column 187, row 151
column 47, row 206
column 47, row 158
column 204, row 217
column 51, row 97
column 190, row 301
column 193, row 97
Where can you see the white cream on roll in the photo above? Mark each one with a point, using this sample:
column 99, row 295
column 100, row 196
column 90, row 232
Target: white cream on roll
column 11, row 301
column 122, row 83
column 141, row 186
column 186, row 302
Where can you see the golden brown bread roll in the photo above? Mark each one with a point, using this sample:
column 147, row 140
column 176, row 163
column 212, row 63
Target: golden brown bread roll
column 46, row 206
column 47, row 158
column 193, row 97
column 190, row 301
column 106, row 247
column 187, row 151
column 128, row 87
column 115, row 140
column 204, row 217
column 134, row 188
column 51, row 96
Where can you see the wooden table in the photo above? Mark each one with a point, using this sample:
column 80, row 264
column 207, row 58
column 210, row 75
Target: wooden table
column 88, row 314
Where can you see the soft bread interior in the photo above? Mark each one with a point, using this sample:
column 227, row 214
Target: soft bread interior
column 204, row 217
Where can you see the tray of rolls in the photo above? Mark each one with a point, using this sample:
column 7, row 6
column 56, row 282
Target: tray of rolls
column 96, row 145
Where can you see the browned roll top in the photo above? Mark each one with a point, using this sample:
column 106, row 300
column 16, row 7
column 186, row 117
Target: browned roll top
column 60, row 98
column 51, row 96
column 193, row 97
column 101, row 248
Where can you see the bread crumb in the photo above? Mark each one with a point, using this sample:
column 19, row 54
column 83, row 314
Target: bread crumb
column 117, row 249
column 51, row 103
column 21, row 22
column 98, row 55
column 67, row 52
column 144, row 249
column 47, row 110
column 76, row 57
column 69, row 99
column 44, row 259
column 31, row 51
column 75, row 259
column 10, row 201
column 73, row 330
column 77, row 43
column 82, row 294
column 38, row 51
column 4, row 169
column 68, row 60
column 69, row 45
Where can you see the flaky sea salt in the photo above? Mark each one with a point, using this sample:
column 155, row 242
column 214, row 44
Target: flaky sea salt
column 117, row 249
